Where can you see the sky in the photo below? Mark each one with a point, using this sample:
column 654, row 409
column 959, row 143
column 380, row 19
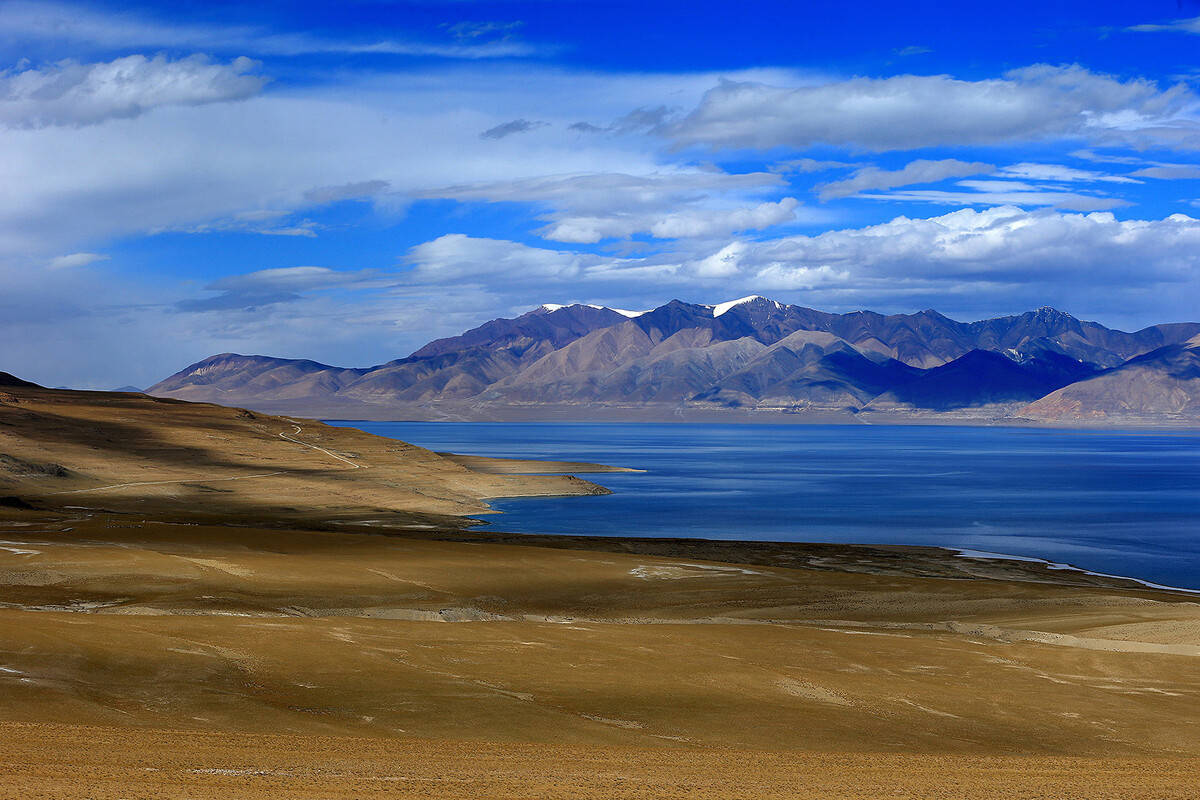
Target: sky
column 345, row 182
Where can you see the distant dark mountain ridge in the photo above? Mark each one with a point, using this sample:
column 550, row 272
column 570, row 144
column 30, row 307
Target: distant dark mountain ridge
column 752, row 353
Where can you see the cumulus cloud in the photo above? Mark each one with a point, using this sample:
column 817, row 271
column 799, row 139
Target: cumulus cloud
column 511, row 127
column 1002, row 243
column 70, row 93
column 911, row 111
column 915, row 172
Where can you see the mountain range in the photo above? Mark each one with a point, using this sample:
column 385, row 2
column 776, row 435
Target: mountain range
column 748, row 357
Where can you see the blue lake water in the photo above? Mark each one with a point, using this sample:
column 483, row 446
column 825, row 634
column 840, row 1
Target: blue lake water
column 1117, row 502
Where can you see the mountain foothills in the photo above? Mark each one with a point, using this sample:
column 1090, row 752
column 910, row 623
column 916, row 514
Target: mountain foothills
column 752, row 357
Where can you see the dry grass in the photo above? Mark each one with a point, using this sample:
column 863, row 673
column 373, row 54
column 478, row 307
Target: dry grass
column 214, row 649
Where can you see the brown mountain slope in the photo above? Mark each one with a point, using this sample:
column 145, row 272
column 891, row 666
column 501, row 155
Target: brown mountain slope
column 1160, row 386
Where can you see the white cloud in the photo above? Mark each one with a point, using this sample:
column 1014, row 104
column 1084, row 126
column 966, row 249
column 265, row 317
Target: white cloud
column 25, row 22
column 724, row 263
column 1160, row 170
column 1000, row 192
column 904, row 112
column 265, row 221
column 1058, row 172
column 693, row 223
column 1169, row 172
column 993, row 260
column 1191, row 25
column 456, row 256
column 915, row 172
column 790, row 278
column 205, row 168
column 705, row 223
column 69, row 93
column 584, row 209
column 1105, row 158
column 261, row 165
column 598, row 193
column 1048, row 250
column 72, row 260
column 1003, row 243
column 294, row 279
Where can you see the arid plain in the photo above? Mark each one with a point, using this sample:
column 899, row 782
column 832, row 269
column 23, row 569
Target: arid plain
column 201, row 602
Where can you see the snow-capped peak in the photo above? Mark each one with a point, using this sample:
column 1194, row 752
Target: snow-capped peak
column 721, row 308
column 551, row 307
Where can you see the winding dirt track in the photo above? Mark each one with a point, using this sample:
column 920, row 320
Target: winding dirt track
column 343, row 459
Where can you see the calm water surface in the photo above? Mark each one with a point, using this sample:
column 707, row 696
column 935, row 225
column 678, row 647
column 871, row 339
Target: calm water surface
column 1117, row 502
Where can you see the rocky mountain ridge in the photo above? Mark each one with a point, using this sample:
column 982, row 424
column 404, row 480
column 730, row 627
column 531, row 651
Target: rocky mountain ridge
column 751, row 354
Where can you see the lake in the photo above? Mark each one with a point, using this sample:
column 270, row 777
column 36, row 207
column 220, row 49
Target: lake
column 1126, row 503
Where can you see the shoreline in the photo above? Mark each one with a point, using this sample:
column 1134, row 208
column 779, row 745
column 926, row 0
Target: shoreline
column 917, row 561
column 1065, row 567
column 451, row 411
column 528, row 466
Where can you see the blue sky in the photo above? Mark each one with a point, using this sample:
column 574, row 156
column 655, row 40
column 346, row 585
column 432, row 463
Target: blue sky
column 346, row 181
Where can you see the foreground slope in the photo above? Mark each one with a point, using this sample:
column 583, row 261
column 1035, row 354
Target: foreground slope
column 242, row 661
column 199, row 601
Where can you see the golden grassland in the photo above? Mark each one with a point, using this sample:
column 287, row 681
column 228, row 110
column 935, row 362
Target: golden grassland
column 333, row 631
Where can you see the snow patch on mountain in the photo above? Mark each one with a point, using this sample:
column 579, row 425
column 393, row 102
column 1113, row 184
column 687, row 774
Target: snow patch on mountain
column 551, row 307
column 721, row 308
